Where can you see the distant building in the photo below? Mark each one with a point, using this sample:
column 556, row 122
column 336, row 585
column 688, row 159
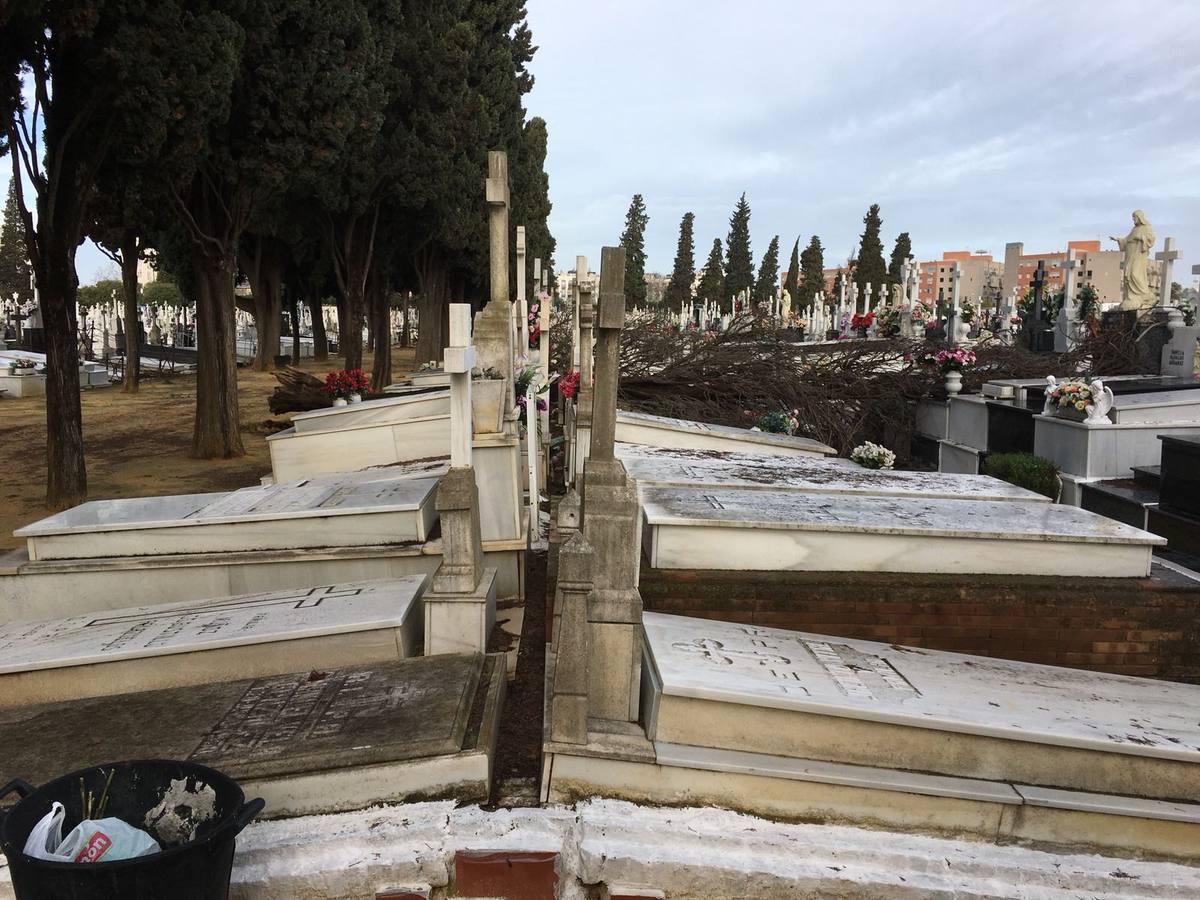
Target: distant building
column 146, row 273
column 1096, row 267
column 935, row 280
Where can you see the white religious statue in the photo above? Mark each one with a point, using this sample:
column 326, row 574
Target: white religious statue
column 1102, row 402
column 785, row 307
column 1135, row 282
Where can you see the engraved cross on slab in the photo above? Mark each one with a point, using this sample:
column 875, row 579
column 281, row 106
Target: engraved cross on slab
column 301, row 599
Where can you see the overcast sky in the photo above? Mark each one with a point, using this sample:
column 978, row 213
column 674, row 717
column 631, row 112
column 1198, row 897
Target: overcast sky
column 971, row 124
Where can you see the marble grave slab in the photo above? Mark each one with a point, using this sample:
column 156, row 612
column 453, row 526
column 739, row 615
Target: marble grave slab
column 662, row 431
column 381, row 507
column 800, row 695
column 661, row 467
column 314, row 741
column 173, row 644
column 374, row 412
column 739, row 529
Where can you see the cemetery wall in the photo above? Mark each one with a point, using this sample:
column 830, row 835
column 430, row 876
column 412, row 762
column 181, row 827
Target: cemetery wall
column 1144, row 627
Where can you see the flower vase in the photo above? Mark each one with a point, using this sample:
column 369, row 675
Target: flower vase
column 339, row 401
column 953, row 383
column 355, row 398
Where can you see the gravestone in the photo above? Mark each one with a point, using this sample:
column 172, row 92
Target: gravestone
column 315, row 741
column 1039, row 336
column 176, row 644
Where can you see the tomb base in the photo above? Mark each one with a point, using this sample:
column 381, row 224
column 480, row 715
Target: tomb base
column 461, row 622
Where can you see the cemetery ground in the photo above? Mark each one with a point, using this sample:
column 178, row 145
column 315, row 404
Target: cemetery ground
column 138, row 445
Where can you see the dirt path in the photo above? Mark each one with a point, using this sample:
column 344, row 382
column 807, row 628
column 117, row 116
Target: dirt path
column 137, row 445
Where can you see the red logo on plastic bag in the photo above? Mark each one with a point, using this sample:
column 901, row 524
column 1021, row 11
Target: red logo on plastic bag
column 95, row 848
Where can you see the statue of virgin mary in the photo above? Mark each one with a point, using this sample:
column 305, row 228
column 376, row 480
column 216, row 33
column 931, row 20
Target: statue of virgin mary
column 1135, row 283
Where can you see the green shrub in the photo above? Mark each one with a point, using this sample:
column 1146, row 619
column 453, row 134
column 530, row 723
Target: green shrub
column 1024, row 470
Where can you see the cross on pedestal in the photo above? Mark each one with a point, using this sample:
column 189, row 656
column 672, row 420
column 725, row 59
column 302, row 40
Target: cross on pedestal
column 497, row 196
column 521, row 309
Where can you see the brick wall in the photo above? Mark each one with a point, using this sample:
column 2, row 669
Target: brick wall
column 1148, row 627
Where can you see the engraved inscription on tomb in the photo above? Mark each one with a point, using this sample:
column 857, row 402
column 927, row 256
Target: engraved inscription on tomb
column 863, row 676
column 777, row 667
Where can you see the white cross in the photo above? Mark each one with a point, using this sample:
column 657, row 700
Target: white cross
column 1167, row 257
column 458, row 361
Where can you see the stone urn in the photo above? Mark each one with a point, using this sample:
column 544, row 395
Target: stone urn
column 339, row 402
column 487, row 405
column 953, row 382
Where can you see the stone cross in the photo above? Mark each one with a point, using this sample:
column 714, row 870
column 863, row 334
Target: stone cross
column 1064, row 327
column 459, row 360
column 522, row 308
column 458, row 495
column 612, row 524
column 1167, row 256
column 585, row 394
column 581, row 269
column 494, row 324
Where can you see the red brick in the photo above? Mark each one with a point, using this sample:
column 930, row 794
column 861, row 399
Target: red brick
column 505, row 873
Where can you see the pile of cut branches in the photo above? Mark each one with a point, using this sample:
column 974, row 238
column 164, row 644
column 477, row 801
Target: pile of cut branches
column 842, row 394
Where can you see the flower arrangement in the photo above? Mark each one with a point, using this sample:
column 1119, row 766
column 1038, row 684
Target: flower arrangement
column 948, row 360
column 863, row 322
column 432, row 366
column 967, row 311
column 22, row 362
column 1089, row 304
column 1069, row 395
column 778, row 422
column 535, row 324
column 888, row 322
column 568, row 384
column 873, row 456
column 346, row 383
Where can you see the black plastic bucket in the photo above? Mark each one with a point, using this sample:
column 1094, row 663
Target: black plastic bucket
column 197, row 868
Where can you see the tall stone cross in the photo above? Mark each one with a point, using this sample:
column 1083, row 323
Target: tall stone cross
column 494, row 323
column 458, row 493
column 1064, row 324
column 581, row 269
column 585, row 395
column 459, row 360
column 612, row 524
column 521, row 307
column 1167, row 256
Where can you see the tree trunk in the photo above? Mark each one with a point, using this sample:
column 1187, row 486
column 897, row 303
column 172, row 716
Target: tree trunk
column 264, row 264
column 66, row 482
column 431, row 304
column 381, row 364
column 129, row 264
column 320, row 341
column 293, row 295
column 351, row 342
column 404, row 321
column 217, row 432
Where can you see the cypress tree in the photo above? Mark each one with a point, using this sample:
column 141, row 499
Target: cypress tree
column 768, row 273
column 712, row 283
column 900, row 253
column 871, row 268
column 812, row 271
column 739, row 265
column 679, row 288
column 791, row 284
column 633, row 239
column 838, row 281
column 14, row 267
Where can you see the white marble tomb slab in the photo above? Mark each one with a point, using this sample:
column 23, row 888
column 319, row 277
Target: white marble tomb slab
column 658, row 467
column 374, row 412
column 867, row 703
column 738, row 529
column 661, row 431
column 297, row 454
column 359, row 510
column 172, row 644
column 1159, row 407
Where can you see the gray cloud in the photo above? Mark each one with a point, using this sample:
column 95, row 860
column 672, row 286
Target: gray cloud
column 970, row 125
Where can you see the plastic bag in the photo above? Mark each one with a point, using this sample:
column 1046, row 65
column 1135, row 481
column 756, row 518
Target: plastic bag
column 105, row 840
column 92, row 840
column 46, row 834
